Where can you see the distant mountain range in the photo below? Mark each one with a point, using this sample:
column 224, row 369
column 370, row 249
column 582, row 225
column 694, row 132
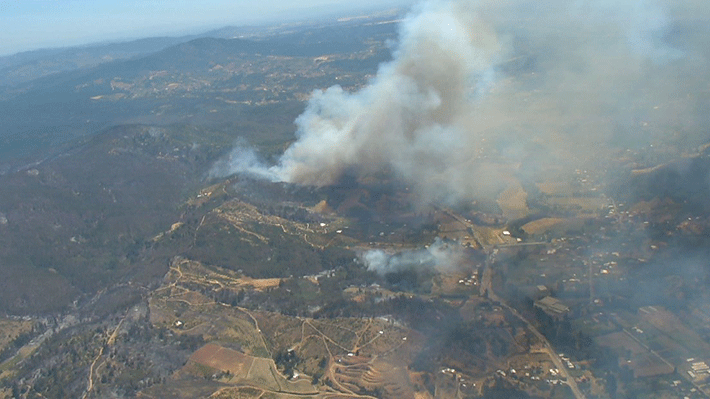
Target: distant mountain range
column 29, row 65
column 50, row 97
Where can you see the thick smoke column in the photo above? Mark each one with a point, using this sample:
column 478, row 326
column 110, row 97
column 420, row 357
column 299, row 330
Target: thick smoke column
column 482, row 94
column 406, row 119
column 598, row 68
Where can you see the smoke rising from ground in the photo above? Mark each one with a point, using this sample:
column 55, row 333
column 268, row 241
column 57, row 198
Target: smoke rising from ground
column 439, row 256
column 479, row 92
column 243, row 160
column 408, row 117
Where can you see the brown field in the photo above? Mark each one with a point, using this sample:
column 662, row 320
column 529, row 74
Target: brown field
column 187, row 311
column 620, row 340
column 181, row 389
column 489, row 236
column 586, row 204
column 192, row 298
column 564, row 226
column 259, row 284
column 185, row 270
column 254, row 393
column 240, row 392
column 263, row 372
column 242, row 368
column 555, row 188
column 541, row 225
column 671, row 349
column 342, row 334
column 260, row 373
column 223, row 359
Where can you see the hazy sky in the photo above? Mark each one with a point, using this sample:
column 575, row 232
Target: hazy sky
column 32, row 24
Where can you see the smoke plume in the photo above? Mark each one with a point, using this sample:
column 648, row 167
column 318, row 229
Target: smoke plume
column 480, row 94
column 439, row 256
column 409, row 117
column 243, row 160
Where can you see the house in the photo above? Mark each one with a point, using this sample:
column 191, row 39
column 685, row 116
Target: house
column 551, row 306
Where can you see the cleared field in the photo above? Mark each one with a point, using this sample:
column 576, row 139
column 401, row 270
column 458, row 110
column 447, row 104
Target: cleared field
column 555, row 188
column 452, row 284
column 182, row 389
column 620, row 340
column 675, row 329
column 259, row 284
column 245, row 369
column 540, row 226
column 263, row 372
column 648, row 365
column 223, row 359
column 241, row 393
column 641, row 361
column 192, row 298
column 557, row 226
column 244, row 216
column 185, row 270
column 491, row 236
column 342, row 334
column 585, row 204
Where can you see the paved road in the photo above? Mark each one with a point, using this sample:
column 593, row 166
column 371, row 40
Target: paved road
column 487, row 286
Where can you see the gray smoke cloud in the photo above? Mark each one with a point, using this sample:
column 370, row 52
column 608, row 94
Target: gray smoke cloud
column 479, row 91
column 243, row 160
column 409, row 117
column 438, row 256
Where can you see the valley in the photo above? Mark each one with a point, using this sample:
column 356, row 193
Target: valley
column 150, row 248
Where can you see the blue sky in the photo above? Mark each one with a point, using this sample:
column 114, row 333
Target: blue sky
column 32, row 24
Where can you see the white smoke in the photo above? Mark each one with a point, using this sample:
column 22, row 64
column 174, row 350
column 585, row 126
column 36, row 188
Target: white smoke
column 448, row 119
column 439, row 256
column 407, row 117
column 243, row 160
